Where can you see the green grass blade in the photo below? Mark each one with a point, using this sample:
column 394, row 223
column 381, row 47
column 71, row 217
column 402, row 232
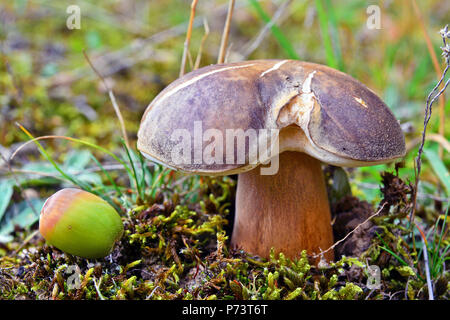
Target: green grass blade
column 144, row 171
column 276, row 31
column 439, row 168
column 323, row 22
column 108, row 176
column 138, row 186
column 50, row 159
column 394, row 255
column 92, row 145
column 6, row 191
column 435, row 257
column 390, row 251
column 335, row 35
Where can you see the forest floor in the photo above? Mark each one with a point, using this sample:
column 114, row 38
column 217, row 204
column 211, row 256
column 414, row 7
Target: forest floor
column 177, row 227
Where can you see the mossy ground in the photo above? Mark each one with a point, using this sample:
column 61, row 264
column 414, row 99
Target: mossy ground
column 173, row 249
column 176, row 244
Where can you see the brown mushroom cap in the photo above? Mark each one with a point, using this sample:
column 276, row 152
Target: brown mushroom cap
column 318, row 110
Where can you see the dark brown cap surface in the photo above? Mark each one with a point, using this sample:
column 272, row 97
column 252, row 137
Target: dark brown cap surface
column 342, row 121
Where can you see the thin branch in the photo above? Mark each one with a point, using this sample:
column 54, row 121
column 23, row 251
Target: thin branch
column 436, row 68
column 348, row 234
column 188, row 38
column 109, row 63
column 112, row 167
column 420, row 195
column 228, row 52
column 443, row 142
column 262, row 34
column 30, row 172
column 226, row 32
column 97, row 288
column 200, row 50
column 434, row 94
column 426, row 120
column 138, row 50
column 151, row 293
column 191, row 62
column 26, row 241
column 113, row 101
column 427, row 270
column 69, row 139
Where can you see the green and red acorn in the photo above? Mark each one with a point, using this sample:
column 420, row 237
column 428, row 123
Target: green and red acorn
column 80, row 223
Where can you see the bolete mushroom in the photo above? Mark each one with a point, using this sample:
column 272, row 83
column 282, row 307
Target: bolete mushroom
column 211, row 121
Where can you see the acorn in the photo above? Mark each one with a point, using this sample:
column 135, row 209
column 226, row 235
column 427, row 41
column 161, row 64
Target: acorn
column 80, row 223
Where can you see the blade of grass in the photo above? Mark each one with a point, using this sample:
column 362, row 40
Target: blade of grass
column 138, row 187
column 188, row 38
column 439, row 168
column 276, row 31
column 251, row 46
column 226, row 33
column 112, row 98
column 385, row 248
column 442, row 259
column 436, row 66
column 202, row 44
column 335, row 35
column 6, row 192
column 83, row 185
column 426, row 261
column 145, row 171
column 66, row 176
column 427, row 270
column 436, row 251
column 163, row 172
column 394, row 255
column 323, row 22
column 73, row 140
column 108, row 176
column 50, row 159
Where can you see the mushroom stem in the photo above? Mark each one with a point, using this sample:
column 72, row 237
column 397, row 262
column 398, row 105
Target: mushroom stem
column 288, row 211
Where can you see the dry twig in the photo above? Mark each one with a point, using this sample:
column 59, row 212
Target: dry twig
column 188, row 38
column 226, row 32
column 436, row 66
column 200, row 50
column 432, row 97
column 113, row 101
column 427, row 270
column 348, row 234
column 444, row 143
column 262, row 34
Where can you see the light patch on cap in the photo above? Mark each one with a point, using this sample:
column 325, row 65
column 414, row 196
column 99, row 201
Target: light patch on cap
column 298, row 109
column 361, row 102
column 306, row 87
column 199, row 77
column 293, row 108
column 275, row 67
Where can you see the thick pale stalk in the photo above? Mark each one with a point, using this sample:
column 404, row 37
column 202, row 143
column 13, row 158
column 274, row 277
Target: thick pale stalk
column 288, row 211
